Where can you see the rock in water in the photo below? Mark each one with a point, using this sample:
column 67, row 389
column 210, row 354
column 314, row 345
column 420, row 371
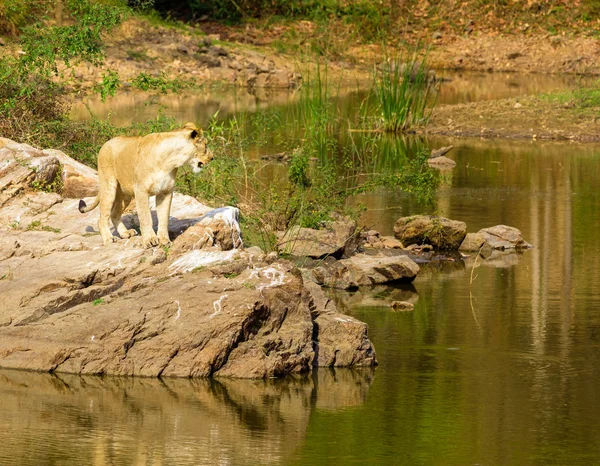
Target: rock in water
column 440, row 232
column 365, row 270
column 504, row 237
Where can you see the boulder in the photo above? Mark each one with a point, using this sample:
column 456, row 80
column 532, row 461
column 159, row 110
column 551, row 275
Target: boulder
column 22, row 167
column 342, row 237
column 364, row 270
column 218, row 228
column 440, row 232
column 339, row 340
column 504, row 237
column 476, row 242
column 78, row 180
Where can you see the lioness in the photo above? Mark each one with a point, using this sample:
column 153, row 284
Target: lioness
column 143, row 167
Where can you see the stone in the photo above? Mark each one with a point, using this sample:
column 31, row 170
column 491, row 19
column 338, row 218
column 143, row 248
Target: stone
column 218, row 51
column 389, row 242
column 339, row 340
column 208, row 60
column 440, row 232
column 78, row 180
column 504, row 237
column 473, row 242
column 23, row 166
column 182, row 48
column 341, row 238
column 441, row 151
column 218, row 228
column 365, row 270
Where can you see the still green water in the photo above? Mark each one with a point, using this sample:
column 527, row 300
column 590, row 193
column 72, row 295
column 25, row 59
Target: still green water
column 496, row 365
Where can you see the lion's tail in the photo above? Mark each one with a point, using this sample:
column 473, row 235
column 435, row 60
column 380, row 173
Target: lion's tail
column 83, row 208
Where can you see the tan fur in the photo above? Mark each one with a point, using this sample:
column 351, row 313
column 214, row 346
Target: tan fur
column 141, row 167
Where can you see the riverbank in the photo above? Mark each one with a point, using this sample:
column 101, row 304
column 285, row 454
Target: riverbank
column 558, row 116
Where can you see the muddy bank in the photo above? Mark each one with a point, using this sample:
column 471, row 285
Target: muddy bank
column 529, row 117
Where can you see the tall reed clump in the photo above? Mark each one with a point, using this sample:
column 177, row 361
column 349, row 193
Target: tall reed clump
column 405, row 93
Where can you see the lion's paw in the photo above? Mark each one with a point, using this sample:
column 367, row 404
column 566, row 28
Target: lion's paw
column 128, row 234
column 164, row 241
column 150, row 242
column 110, row 239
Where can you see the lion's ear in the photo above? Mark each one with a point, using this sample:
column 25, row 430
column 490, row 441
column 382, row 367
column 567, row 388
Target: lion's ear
column 189, row 125
column 196, row 133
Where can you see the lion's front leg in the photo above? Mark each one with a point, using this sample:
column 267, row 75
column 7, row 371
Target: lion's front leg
column 163, row 209
column 149, row 238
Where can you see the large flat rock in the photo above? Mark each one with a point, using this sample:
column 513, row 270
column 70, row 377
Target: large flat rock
column 201, row 308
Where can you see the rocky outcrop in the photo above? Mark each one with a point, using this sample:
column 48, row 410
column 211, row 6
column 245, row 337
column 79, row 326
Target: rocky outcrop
column 340, row 238
column 440, row 232
column 365, row 269
column 200, row 308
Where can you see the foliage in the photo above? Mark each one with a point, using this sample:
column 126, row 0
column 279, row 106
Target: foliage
column 325, row 168
column 15, row 14
column 34, row 106
column 45, row 45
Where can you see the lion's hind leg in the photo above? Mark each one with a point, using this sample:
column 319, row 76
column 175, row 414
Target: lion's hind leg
column 107, row 196
column 119, row 206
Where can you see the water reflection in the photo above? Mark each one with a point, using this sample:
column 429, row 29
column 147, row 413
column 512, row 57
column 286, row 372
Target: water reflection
column 49, row 419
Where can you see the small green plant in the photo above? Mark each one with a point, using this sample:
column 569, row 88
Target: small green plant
column 36, row 225
column 231, row 275
column 98, row 301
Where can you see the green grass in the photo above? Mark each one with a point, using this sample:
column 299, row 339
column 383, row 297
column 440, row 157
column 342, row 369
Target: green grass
column 404, row 93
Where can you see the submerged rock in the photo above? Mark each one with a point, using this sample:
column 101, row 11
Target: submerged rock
column 440, row 232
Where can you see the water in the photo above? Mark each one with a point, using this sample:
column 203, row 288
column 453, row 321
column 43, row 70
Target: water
column 496, row 365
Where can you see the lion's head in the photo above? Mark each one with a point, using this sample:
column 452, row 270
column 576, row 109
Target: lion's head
column 201, row 154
